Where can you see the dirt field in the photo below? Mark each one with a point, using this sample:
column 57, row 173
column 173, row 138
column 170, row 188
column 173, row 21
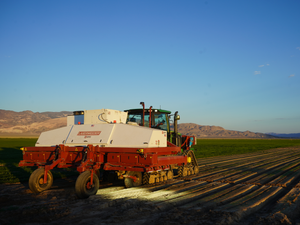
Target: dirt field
column 260, row 188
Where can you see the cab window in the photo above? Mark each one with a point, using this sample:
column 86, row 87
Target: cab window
column 160, row 121
column 138, row 118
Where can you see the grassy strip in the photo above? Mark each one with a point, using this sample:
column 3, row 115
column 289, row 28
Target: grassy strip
column 221, row 147
column 11, row 155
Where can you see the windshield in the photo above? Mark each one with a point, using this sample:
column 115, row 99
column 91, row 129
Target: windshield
column 138, row 118
column 159, row 120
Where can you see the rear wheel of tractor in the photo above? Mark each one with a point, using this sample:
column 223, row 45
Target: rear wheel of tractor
column 36, row 181
column 130, row 183
column 83, row 186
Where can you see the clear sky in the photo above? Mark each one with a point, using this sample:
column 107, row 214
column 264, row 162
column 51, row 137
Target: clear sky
column 234, row 64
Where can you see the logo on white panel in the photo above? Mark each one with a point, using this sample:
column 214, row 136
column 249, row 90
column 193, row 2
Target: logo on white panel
column 88, row 133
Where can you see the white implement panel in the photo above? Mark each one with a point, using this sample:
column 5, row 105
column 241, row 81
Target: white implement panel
column 108, row 135
column 98, row 116
column 54, row 137
column 135, row 136
column 98, row 134
column 104, row 116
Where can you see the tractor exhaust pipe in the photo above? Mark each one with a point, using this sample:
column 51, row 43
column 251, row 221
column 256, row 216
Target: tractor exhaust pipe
column 150, row 111
column 143, row 104
column 176, row 117
column 175, row 124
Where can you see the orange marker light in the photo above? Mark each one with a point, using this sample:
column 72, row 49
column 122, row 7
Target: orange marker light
column 79, row 123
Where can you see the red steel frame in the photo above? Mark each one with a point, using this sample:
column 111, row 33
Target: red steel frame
column 108, row 158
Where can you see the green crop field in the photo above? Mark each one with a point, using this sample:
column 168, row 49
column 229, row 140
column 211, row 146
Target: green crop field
column 10, row 154
column 219, row 147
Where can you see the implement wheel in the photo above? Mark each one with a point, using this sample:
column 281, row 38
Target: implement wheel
column 130, row 183
column 83, row 186
column 170, row 174
column 36, row 181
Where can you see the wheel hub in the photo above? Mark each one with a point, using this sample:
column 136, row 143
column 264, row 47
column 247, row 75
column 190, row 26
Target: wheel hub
column 89, row 185
column 41, row 181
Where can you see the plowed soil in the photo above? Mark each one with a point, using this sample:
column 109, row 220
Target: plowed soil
column 260, row 188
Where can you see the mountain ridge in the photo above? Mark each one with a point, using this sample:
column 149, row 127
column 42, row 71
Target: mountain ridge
column 284, row 135
column 28, row 122
column 201, row 131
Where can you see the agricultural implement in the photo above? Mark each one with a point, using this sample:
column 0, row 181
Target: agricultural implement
column 137, row 145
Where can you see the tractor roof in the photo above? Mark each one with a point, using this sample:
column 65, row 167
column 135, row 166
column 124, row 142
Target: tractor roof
column 147, row 110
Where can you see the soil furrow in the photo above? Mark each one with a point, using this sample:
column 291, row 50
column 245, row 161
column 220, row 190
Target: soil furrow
column 288, row 177
column 222, row 197
column 285, row 209
column 261, row 162
column 260, row 188
column 251, row 203
column 265, row 172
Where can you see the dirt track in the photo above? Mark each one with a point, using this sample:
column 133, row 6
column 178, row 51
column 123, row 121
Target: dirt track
column 261, row 188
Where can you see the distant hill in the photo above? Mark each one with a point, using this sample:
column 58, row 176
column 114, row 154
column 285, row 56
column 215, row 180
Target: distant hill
column 216, row 132
column 30, row 123
column 294, row 135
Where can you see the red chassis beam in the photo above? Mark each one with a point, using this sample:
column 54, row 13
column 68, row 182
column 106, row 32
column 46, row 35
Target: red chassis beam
column 110, row 158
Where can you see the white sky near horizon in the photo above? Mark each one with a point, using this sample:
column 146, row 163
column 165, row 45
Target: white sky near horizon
column 232, row 63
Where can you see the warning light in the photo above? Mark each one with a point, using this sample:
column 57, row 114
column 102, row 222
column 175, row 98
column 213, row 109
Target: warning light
column 115, row 121
column 79, row 123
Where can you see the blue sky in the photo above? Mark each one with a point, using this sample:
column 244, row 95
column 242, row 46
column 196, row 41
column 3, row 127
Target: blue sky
column 234, row 64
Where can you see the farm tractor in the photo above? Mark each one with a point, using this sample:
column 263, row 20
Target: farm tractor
column 137, row 145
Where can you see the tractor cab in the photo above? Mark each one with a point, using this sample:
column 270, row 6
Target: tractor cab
column 155, row 118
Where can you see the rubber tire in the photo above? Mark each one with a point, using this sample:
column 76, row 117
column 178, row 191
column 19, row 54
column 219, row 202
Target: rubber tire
column 81, row 185
column 129, row 182
column 34, row 179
